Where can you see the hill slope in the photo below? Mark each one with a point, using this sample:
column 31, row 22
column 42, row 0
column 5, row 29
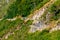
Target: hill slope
column 18, row 29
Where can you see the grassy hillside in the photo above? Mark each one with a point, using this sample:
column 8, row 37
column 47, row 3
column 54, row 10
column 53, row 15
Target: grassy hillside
column 23, row 32
column 19, row 30
column 24, row 7
column 6, row 26
column 55, row 10
column 24, row 35
column 4, row 5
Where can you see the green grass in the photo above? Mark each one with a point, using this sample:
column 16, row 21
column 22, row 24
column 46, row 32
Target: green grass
column 24, row 35
column 6, row 26
column 24, row 7
column 55, row 10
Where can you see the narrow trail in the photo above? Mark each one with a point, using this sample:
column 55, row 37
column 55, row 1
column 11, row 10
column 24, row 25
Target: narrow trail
column 9, row 19
column 13, row 19
column 35, row 16
column 37, row 13
column 0, row 19
column 40, row 12
column 40, row 25
column 11, row 32
column 56, row 26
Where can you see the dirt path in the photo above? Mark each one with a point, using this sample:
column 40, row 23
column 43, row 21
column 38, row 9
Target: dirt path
column 56, row 26
column 40, row 12
column 35, row 16
column 11, row 32
column 39, row 25
column 37, row 13
column 13, row 19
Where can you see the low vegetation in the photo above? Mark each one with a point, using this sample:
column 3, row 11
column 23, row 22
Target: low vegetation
column 55, row 10
column 24, row 7
column 21, row 28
